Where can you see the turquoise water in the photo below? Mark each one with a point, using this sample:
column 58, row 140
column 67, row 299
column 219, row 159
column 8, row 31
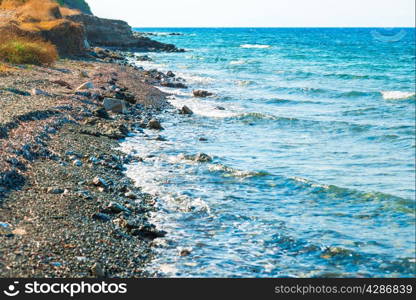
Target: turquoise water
column 313, row 171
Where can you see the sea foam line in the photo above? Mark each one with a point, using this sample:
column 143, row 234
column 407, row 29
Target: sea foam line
column 397, row 95
column 254, row 46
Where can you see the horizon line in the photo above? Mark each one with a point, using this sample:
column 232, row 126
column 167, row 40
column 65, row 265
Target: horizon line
column 277, row 27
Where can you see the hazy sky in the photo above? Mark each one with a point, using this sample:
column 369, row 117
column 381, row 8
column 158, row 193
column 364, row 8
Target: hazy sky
column 259, row 13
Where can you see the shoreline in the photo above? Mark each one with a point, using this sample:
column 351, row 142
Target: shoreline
column 67, row 208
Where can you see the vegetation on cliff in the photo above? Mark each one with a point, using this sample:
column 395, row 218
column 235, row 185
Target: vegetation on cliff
column 25, row 50
column 36, row 21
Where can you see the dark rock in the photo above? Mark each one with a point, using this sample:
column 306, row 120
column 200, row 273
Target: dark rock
column 154, row 124
column 97, row 181
column 201, row 93
column 131, row 195
column 55, row 191
column 143, row 58
column 148, row 232
column 220, row 108
column 101, row 217
column 202, row 157
column 185, row 252
column 129, row 97
column 101, row 113
column 170, row 74
column 83, row 94
column 17, row 92
column 175, row 85
column 185, row 110
column 62, row 83
column 115, row 208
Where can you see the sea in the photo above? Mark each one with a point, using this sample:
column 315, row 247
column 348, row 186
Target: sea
column 312, row 137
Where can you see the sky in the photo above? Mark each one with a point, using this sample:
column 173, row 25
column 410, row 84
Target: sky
column 258, row 13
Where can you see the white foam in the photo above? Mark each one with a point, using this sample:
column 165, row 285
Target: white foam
column 238, row 62
column 397, row 95
column 204, row 108
column 253, row 46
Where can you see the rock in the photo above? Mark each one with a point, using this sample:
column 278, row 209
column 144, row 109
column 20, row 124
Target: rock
column 148, row 232
column 154, row 124
column 39, row 92
column 130, row 195
column 115, row 105
column 202, row 139
column 184, row 252
column 160, row 138
column 17, row 92
column 175, row 85
column 201, row 93
column 62, row 83
column 220, row 108
column 101, row 217
column 115, row 33
column 83, row 94
column 143, row 58
column 129, row 97
column 202, row 157
column 84, row 74
column 97, row 181
column 185, row 110
column 77, row 163
column 115, row 208
column 98, row 270
column 170, row 74
column 86, row 86
column 101, row 113
column 55, row 191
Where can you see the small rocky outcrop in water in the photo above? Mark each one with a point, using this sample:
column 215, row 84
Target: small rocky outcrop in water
column 201, row 93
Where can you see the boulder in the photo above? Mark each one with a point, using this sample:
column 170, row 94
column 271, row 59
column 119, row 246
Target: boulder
column 39, row 92
column 154, row 124
column 175, row 85
column 201, row 93
column 115, row 105
column 202, row 157
column 185, row 110
column 85, row 86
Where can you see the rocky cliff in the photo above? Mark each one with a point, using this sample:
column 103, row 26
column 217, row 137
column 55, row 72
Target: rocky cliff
column 117, row 34
column 81, row 5
column 69, row 29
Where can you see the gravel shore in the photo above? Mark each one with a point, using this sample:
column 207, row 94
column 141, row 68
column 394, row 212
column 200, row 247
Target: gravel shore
column 67, row 209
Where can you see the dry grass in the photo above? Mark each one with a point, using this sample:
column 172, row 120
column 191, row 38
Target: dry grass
column 4, row 69
column 17, row 49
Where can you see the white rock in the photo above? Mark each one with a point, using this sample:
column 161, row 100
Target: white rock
column 115, row 105
column 38, row 92
column 86, row 86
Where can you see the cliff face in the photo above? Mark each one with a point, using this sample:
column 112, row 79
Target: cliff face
column 58, row 22
column 43, row 19
column 81, row 5
column 117, row 34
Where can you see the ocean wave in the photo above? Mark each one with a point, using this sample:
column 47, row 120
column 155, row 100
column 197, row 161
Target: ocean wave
column 254, row 46
column 206, row 108
column 231, row 172
column 253, row 117
column 397, row 95
column 348, row 194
